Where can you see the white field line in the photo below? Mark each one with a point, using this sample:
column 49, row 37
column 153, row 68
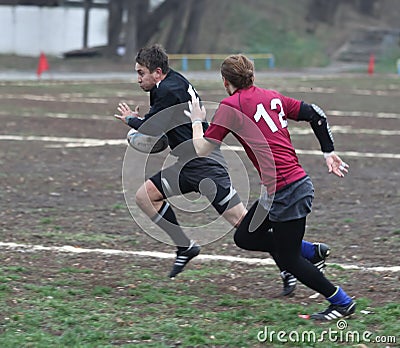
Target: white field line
column 64, row 115
column 342, row 153
column 160, row 255
column 66, row 142
column 362, row 114
column 50, row 98
column 80, row 98
column 323, row 90
column 338, row 113
column 293, row 130
column 346, row 130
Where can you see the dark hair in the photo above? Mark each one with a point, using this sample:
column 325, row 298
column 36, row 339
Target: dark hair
column 238, row 70
column 153, row 57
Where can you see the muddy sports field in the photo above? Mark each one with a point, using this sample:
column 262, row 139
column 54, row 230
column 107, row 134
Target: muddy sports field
column 61, row 160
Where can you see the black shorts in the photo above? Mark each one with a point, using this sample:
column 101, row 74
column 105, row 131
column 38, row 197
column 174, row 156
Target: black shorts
column 210, row 180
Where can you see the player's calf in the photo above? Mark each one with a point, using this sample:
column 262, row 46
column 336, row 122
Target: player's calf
column 321, row 252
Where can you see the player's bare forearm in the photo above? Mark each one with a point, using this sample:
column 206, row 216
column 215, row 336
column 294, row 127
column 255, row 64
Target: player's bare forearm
column 201, row 145
column 197, row 115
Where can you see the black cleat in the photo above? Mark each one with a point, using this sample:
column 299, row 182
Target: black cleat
column 322, row 251
column 335, row 312
column 289, row 283
column 183, row 257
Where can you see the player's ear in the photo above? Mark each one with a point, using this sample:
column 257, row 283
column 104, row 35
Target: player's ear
column 157, row 72
column 226, row 82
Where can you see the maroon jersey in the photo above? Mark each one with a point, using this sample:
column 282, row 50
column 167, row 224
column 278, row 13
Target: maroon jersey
column 258, row 119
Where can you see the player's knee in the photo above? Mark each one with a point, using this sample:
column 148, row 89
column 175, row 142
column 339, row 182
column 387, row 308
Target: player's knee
column 235, row 214
column 147, row 194
column 140, row 197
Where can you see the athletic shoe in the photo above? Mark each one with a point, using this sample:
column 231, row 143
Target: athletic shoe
column 322, row 251
column 335, row 312
column 183, row 257
column 289, row 283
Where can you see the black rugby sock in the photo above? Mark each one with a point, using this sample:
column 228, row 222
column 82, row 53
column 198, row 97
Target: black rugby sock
column 166, row 219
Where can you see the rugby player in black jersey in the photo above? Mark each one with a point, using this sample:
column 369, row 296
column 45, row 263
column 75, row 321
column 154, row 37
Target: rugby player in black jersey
column 190, row 173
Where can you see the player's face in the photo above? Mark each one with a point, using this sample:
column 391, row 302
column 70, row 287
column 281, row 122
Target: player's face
column 146, row 79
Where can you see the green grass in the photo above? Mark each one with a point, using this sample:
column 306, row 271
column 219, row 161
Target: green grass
column 151, row 311
column 388, row 62
column 276, row 34
column 78, row 302
column 118, row 206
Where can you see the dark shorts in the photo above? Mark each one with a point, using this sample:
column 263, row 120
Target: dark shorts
column 293, row 201
column 210, row 180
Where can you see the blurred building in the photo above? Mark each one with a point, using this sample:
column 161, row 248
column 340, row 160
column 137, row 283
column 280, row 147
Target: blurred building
column 29, row 27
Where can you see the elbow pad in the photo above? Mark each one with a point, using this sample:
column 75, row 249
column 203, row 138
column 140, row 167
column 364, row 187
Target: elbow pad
column 319, row 124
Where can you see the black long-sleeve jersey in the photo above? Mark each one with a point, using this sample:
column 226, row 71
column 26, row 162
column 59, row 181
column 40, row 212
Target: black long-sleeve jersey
column 168, row 100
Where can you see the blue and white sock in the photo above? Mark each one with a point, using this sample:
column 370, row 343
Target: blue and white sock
column 307, row 250
column 339, row 297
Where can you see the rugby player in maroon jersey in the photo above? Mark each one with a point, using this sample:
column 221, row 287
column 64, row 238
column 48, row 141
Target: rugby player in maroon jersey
column 258, row 118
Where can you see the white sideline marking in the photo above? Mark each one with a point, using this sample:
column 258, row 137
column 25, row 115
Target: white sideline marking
column 81, row 98
column 318, row 153
column 340, row 113
column 62, row 115
column 50, row 98
column 353, row 154
column 333, row 90
column 68, row 142
column 346, row 130
column 160, row 255
column 89, row 142
column 362, row 114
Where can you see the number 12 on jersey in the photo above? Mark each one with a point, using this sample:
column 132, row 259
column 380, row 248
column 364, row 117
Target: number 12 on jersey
column 262, row 113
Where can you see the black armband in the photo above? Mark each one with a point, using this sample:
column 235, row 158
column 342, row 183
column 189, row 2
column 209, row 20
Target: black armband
column 319, row 124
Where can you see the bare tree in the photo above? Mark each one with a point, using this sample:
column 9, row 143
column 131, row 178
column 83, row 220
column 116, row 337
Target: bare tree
column 189, row 43
column 143, row 24
column 322, row 11
column 367, row 7
column 177, row 27
column 86, row 6
column 115, row 13
column 131, row 38
column 152, row 22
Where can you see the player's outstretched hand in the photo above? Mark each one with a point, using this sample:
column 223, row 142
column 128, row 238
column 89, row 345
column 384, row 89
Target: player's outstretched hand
column 126, row 111
column 196, row 113
column 336, row 165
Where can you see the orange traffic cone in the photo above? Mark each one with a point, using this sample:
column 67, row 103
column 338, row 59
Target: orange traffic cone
column 371, row 65
column 43, row 65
